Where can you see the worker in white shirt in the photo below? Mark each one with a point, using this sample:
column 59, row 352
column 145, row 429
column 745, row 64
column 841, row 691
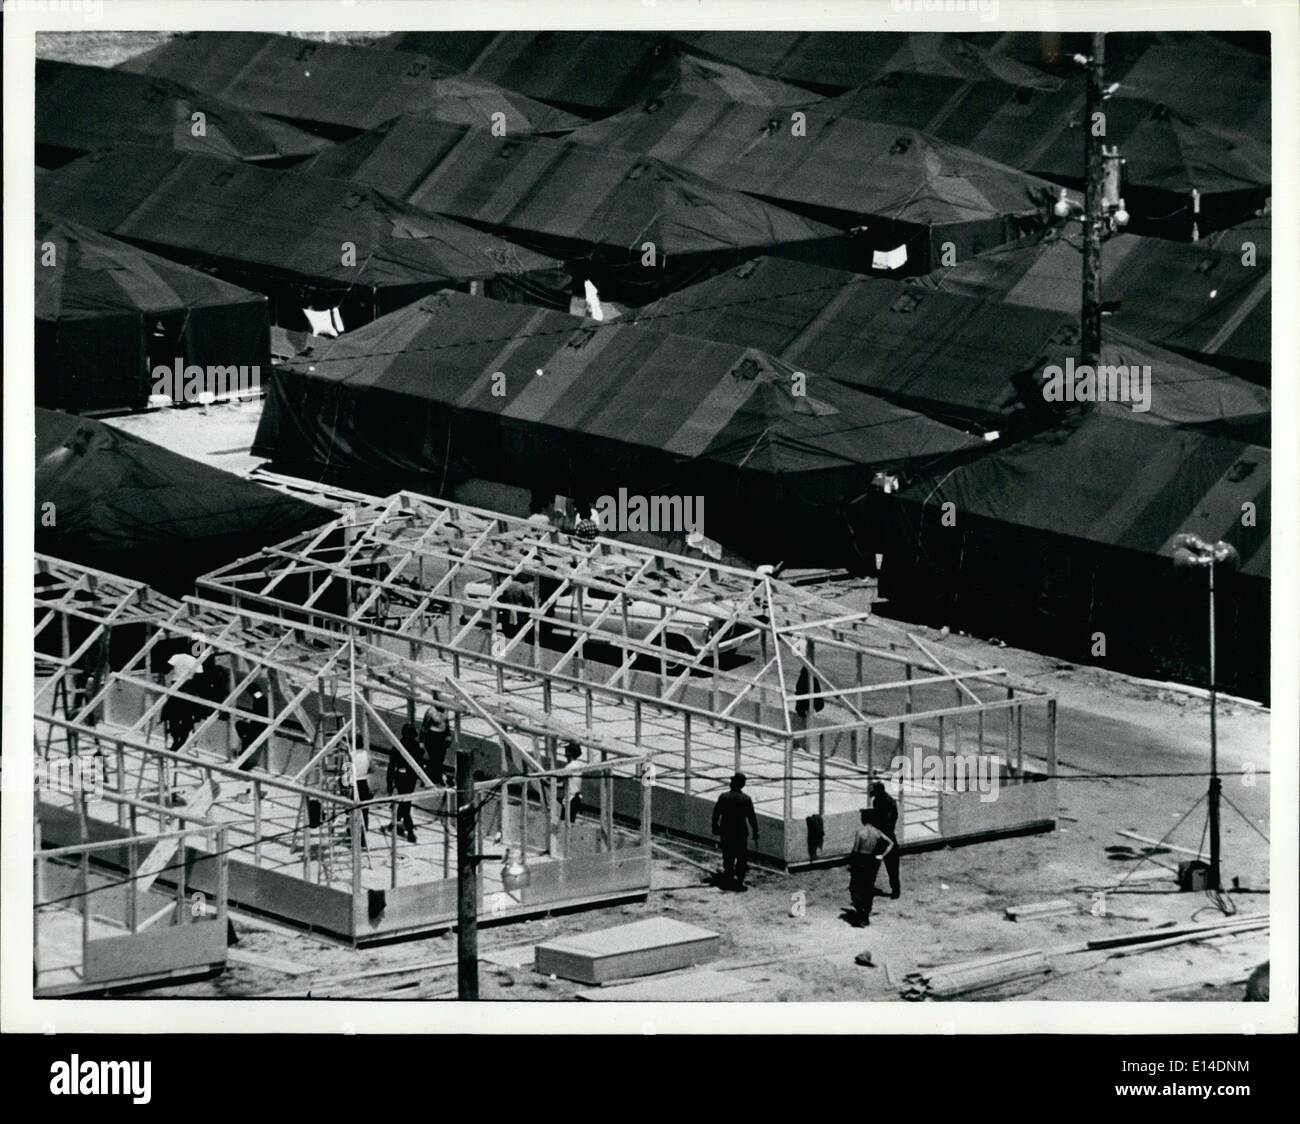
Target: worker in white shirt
column 356, row 773
column 571, row 786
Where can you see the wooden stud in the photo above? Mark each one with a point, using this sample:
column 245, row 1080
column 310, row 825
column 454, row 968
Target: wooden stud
column 686, row 755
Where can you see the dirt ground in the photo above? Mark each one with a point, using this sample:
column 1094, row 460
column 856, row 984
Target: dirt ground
column 951, row 910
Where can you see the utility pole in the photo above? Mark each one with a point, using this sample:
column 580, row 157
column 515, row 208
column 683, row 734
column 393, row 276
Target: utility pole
column 466, row 878
column 1094, row 170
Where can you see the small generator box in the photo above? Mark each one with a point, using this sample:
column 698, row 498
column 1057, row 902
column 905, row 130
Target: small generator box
column 1193, row 875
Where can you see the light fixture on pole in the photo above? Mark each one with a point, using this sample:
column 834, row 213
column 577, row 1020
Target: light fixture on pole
column 1191, row 551
column 515, row 874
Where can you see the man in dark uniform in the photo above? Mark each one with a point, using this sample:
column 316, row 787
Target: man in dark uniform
column 248, row 729
column 402, row 779
column 435, row 740
column 870, row 845
column 886, row 810
column 733, row 819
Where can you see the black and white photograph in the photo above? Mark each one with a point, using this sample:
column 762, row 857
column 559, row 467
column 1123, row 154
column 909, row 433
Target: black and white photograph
column 697, row 513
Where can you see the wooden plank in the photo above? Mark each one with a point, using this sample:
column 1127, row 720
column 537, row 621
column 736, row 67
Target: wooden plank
column 1186, row 938
column 1031, row 910
column 657, row 944
column 1160, row 843
column 196, row 806
column 1162, row 932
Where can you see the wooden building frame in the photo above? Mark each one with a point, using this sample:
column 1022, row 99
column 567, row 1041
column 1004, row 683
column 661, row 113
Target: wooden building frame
column 711, row 669
column 277, row 779
column 93, row 932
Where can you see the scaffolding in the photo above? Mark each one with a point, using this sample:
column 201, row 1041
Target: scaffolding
column 262, row 725
column 709, row 669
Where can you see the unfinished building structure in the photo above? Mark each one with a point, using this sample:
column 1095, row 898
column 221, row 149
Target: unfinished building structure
column 101, row 921
column 95, row 932
column 702, row 668
column 258, row 726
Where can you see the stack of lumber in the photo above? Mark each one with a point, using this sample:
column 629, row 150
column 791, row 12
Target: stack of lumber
column 949, row 981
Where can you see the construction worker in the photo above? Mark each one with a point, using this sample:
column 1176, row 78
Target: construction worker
column 401, row 778
column 886, row 809
column 248, row 729
column 733, row 818
column 870, row 845
column 435, row 738
column 571, row 787
column 356, row 773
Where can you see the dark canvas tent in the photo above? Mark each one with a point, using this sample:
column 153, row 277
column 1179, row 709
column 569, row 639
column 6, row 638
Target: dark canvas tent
column 82, row 108
column 339, row 88
column 107, row 313
column 592, row 72
column 304, row 240
column 1211, row 301
column 583, row 408
column 596, row 209
column 1182, row 177
column 1228, row 87
column 966, row 361
column 903, row 187
column 1065, row 540
column 835, row 60
column 115, row 502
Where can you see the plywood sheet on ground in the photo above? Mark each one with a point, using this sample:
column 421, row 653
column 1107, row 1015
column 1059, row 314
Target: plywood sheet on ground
column 641, row 948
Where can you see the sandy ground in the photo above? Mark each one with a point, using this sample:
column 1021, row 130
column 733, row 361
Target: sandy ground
column 1111, row 726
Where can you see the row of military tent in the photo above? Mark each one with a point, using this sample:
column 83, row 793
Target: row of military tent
column 337, row 90
column 638, row 228
column 1182, row 177
column 969, row 361
column 306, row 242
column 856, row 187
column 455, row 387
column 584, row 73
column 1189, row 170
column 898, row 190
column 1211, row 301
column 83, row 108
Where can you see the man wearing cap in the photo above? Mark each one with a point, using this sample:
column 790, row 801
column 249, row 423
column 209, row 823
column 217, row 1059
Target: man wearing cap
column 733, row 819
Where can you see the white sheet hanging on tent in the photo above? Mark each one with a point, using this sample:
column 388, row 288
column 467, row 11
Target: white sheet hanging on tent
column 324, row 321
